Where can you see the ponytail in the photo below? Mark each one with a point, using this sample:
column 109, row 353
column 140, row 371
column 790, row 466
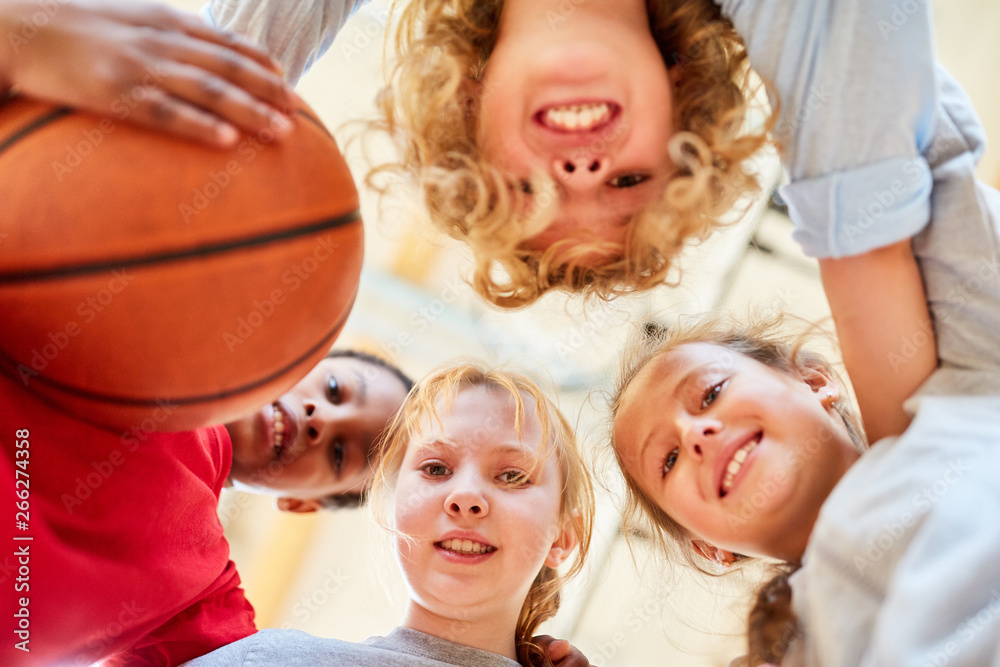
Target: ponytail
column 773, row 624
column 541, row 604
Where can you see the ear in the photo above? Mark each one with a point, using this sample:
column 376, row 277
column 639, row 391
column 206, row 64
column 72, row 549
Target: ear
column 299, row 505
column 713, row 553
column 822, row 382
column 564, row 544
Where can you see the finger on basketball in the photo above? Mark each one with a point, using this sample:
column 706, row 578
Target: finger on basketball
column 244, row 72
column 179, row 118
column 220, row 97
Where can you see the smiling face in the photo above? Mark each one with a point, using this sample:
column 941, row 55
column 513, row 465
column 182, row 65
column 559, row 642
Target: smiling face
column 316, row 439
column 482, row 511
column 740, row 454
column 583, row 95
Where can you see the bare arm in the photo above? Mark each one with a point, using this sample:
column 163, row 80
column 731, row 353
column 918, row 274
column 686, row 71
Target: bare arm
column 884, row 326
column 142, row 63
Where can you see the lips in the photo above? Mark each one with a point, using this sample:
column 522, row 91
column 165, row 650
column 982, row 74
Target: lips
column 732, row 459
column 580, row 117
column 465, row 547
column 282, row 428
column 578, row 123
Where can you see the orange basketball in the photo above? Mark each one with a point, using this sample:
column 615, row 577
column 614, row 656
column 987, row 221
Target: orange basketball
column 150, row 283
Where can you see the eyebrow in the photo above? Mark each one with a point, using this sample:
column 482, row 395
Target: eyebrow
column 454, row 447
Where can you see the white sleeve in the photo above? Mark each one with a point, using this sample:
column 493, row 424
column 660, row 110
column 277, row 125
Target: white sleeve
column 858, row 91
column 295, row 32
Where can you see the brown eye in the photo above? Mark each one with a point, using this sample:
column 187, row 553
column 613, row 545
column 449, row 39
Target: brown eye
column 337, row 453
column 333, row 390
column 711, row 395
column 628, row 180
column 514, row 478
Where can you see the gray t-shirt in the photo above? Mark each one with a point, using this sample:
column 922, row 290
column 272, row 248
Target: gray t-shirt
column 400, row 648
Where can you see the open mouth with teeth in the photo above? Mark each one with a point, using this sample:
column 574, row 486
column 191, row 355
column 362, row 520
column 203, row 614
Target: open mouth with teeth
column 736, row 464
column 279, row 431
column 465, row 547
column 577, row 117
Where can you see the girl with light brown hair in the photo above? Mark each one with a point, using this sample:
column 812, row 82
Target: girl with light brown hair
column 484, row 492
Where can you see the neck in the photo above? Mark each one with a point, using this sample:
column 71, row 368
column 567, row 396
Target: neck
column 792, row 544
column 484, row 632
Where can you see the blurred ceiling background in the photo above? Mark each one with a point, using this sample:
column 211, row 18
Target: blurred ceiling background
column 330, row 574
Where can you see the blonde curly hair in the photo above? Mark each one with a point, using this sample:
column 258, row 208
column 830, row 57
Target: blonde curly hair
column 430, row 106
column 434, row 396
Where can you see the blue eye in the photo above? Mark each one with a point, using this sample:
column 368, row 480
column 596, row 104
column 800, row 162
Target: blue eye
column 670, row 460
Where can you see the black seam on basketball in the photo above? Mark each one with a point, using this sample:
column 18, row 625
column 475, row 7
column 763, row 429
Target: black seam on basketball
column 36, row 124
column 191, row 400
column 315, row 121
column 15, row 277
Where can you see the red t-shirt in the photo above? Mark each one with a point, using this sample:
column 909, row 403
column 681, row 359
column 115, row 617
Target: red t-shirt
column 127, row 559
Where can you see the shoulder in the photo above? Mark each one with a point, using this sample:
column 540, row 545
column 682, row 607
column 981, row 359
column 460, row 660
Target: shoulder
column 293, row 648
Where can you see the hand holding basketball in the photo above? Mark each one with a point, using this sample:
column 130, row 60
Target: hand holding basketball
column 145, row 63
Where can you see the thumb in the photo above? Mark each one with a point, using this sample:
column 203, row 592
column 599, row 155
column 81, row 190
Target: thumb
column 557, row 650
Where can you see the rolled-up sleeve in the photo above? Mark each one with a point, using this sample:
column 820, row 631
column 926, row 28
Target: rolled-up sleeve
column 296, row 34
column 858, row 94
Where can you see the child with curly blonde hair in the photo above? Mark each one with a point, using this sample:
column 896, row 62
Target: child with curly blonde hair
column 575, row 145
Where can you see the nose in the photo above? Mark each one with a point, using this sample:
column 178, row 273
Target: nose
column 466, row 501
column 319, row 421
column 698, row 434
column 581, row 172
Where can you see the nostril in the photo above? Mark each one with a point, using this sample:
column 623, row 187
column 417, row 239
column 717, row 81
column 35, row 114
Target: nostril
column 594, row 166
column 475, row 509
column 313, row 433
column 309, row 410
column 697, row 449
column 454, row 507
column 569, row 167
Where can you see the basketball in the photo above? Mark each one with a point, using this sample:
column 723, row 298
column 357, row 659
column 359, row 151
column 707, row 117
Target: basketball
column 150, row 283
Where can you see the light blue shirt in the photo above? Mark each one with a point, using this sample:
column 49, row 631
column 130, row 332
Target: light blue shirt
column 295, row 32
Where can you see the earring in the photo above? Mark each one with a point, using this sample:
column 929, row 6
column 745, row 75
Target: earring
column 828, row 399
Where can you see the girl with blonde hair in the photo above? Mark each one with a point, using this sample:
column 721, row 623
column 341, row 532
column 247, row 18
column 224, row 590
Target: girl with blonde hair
column 484, row 492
